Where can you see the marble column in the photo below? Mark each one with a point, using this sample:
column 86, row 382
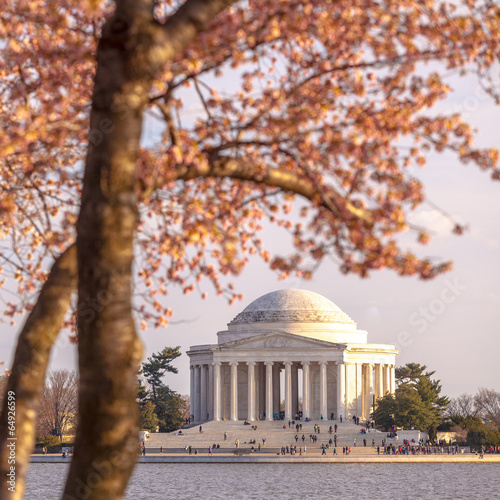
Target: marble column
column 369, row 391
column 359, row 390
column 393, row 379
column 191, row 392
column 234, row 390
column 196, row 393
column 276, row 388
column 210, row 392
column 256, row 372
column 217, row 391
column 203, row 393
column 349, row 393
column 364, row 370
column 323, row 403
column 295, row 389
column 269, row 390
column 387, row 379
column 379, row 382
column 341, row 390
column 251, row 390
column 262, row 389
column 288, row 390
column 306, row 384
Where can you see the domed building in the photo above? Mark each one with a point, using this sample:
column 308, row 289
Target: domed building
column 294, row 346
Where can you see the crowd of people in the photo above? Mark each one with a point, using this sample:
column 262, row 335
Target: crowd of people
column 406, row 448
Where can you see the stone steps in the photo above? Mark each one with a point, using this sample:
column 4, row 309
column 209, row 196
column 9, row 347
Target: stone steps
column 311, row 449
column 273, row 433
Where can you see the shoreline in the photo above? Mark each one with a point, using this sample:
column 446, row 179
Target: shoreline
column 309, row 458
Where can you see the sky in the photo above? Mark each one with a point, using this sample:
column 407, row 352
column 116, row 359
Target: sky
column 451, row 323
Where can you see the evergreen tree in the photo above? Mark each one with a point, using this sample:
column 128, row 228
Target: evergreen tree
column 160, row 405
column 142, row 393
column 417, row 402
column 156, row 367
column 384, row 413
column 411, row 410
column 149, row 419
column 478, row 432
column 169, row 409
column 429, row 408
column 411, row 373
column 483, row 435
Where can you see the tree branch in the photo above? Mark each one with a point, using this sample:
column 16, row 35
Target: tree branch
column 235, row 168
column 189, row 20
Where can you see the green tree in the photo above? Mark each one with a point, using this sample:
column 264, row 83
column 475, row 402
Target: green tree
column 417, row 403
column 430, row 405
column 384, row 413
column 483, row 435
column 429, row 391
column 142, row 393
column 156, row 367
column 149, row 419
column 411, row 410
column 411, row 373
column 167, row 405
column 169, row 409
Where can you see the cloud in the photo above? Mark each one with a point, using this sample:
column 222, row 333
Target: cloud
column 432, row 220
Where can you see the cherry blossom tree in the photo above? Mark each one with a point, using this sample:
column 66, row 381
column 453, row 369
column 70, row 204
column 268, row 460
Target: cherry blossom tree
column 268, row 109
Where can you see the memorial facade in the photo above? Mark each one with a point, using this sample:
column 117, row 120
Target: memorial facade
column 291, row 346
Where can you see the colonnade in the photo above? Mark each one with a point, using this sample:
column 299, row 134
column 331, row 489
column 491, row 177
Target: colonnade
column 251, row 389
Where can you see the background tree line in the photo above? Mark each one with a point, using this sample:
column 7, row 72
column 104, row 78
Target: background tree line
column 57, row 416
column 418, row 403
column 476, row 418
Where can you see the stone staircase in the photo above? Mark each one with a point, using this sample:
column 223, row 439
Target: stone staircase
column 273, row 432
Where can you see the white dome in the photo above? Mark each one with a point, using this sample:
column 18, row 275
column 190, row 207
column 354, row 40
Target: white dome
column 292, row 305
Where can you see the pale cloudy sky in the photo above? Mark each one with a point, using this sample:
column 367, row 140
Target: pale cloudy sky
column 451, row 324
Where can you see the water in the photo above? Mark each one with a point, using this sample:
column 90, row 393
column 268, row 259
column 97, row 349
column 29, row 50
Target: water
column 291, row 481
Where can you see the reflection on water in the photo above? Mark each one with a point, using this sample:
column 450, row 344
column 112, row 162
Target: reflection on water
column 287, row 481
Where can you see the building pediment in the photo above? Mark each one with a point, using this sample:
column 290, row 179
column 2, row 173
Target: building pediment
column 277, row 340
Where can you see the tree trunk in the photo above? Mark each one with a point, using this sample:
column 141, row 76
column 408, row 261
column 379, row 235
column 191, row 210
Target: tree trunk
column 132, row 50
column 26, row 381
column 109, row 349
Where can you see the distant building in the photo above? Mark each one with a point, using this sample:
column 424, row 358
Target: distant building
column 329, row 368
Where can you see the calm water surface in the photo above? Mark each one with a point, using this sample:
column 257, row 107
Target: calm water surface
column 287, row 481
